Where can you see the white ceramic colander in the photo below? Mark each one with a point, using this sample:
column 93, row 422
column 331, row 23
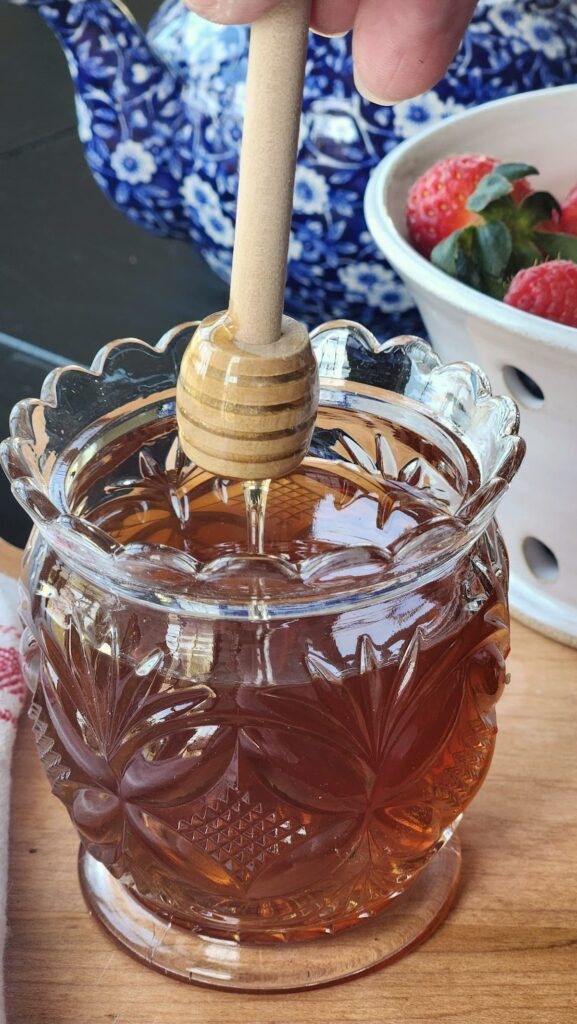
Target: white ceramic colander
column 532, row 359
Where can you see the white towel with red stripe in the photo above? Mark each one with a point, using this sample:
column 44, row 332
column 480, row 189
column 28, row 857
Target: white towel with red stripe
column 12, row 692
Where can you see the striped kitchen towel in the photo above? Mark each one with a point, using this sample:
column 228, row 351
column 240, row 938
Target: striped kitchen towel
column 12, row 692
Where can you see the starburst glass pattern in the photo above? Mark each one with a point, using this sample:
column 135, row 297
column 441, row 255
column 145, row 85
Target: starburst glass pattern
column 303, row 803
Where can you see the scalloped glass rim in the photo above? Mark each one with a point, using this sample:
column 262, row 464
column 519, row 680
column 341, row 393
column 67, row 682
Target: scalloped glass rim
column 457, row 396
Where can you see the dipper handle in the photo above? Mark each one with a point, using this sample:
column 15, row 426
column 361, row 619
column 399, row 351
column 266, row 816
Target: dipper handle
column 278, row 49
column 248, row 387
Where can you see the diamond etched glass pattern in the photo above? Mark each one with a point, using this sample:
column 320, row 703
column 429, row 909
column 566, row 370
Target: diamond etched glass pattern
column 276, row 746
column 239, row 833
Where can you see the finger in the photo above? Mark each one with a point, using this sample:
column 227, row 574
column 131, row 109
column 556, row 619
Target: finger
column 333, row 17
column 231, row 12
column 403, row 48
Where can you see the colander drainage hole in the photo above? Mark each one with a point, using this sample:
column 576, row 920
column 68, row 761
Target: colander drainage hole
column 540, row 559
column 523, row 387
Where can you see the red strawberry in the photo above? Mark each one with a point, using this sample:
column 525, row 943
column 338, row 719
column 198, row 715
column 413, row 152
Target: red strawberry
column 437, row 203
column 548, row 290
column 569, row 213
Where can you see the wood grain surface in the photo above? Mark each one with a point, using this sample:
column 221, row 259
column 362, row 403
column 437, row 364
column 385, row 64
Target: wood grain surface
column 9, row 559
column 507, row 953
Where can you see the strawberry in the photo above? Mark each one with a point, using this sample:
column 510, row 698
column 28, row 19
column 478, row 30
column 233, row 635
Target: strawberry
column 437, row 203
column 548, row 290
column 480, row 221
column 568, row 222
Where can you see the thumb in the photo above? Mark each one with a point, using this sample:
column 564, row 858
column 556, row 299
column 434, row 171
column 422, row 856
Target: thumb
column 401, row 49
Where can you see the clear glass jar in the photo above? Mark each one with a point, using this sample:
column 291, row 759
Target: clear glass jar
column 260, row 746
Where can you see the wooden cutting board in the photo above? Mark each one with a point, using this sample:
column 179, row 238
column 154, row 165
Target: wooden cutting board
column 507, row 953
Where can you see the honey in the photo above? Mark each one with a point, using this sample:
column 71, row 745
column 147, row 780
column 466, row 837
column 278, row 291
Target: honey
column 261, row 778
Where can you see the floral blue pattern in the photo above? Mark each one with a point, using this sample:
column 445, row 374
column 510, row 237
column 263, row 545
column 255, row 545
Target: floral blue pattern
column 160, row 118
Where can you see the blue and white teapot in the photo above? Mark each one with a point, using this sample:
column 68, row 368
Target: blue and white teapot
column 160, row 117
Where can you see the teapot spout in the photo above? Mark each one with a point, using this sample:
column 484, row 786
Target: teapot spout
column 131, row 115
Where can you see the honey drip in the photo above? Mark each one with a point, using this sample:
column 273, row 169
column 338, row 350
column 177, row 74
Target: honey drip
column 255, row 496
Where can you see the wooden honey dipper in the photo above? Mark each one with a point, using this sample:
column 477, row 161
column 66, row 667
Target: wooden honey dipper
column 247, row 392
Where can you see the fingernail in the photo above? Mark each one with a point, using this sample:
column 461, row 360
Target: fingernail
column 331, row 35
column 369, row 95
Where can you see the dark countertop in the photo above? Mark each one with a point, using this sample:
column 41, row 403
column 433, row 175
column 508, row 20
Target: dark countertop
column 74, row 272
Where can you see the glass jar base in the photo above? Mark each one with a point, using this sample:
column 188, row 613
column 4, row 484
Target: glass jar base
column 182, row 954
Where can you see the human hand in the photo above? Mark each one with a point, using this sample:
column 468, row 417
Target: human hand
column 400, row 47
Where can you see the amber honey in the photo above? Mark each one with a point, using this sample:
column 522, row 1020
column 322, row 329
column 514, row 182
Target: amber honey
column 272, row 779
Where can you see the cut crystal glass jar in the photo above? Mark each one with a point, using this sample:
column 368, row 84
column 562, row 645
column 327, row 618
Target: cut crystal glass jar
column 266, row 749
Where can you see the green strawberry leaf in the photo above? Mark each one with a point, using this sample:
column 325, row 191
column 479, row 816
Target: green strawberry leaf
column 536, row 208
column 444, row 255
column 493, row 186
column 515, row 171
column 458, row 256
column 467, row 264
column 558, row 246
column 455, row 254
column 495, row 245
column 504, row 209
column 525, row 254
